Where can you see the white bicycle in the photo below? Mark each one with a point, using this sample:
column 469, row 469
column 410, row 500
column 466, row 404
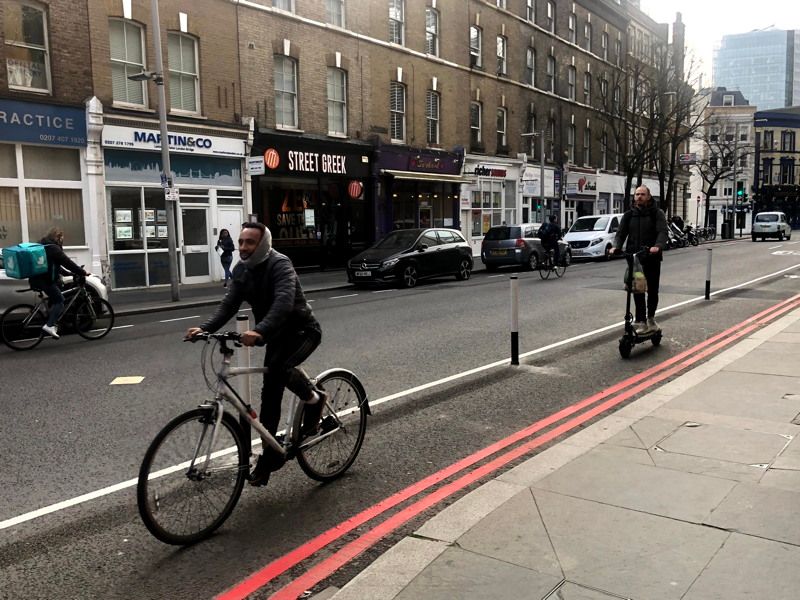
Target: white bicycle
column 195, row 468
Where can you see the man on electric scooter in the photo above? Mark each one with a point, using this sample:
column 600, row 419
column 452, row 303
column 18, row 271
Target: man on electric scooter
column 644, row 226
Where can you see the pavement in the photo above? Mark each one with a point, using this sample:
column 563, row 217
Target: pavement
column 690, row 492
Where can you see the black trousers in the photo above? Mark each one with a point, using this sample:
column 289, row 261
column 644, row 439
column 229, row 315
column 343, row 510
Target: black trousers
column 283, row 356
column 652, row 273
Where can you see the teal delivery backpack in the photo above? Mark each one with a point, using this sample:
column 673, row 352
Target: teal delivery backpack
column 25, row 260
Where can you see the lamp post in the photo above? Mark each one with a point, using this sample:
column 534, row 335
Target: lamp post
column 170, row 193
column 540, row 134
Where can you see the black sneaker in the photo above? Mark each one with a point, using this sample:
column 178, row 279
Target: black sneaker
column 267, row 463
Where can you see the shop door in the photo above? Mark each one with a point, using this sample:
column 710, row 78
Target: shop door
column 229, row 218
column 195, row 249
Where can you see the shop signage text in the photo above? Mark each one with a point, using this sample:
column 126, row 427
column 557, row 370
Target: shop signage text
column 482, row 171
column 42, row 124
column 116, row 136
column 316, row 162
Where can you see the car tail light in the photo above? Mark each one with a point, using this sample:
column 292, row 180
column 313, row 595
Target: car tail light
column 520, row 243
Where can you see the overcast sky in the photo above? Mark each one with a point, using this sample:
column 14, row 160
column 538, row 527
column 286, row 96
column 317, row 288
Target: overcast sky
column 708, row 20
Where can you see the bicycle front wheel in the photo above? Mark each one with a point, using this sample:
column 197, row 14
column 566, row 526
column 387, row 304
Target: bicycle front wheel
column 187, row 488
column 94, row 319
column 560, row 269
column 333, row 450
column 21, row 327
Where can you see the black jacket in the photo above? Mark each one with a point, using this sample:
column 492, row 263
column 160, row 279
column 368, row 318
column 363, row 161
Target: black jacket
column 58, row 263
column 642, row 227
column 227, row 247
column 273, row 290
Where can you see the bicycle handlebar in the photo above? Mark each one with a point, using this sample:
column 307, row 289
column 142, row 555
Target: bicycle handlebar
column 223, row 337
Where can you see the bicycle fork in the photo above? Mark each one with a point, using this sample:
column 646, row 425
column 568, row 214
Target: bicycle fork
column 198, row 451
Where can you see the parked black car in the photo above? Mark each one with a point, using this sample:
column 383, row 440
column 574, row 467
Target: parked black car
column 407, row 255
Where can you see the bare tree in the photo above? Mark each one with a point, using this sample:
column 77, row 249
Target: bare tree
column 717, row 162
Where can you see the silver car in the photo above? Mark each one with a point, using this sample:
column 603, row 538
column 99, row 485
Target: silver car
column 10, row 294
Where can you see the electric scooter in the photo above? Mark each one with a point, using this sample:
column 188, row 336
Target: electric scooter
column 630, row 338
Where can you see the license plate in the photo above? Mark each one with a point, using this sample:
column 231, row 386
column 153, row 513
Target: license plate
column 499, row 252
column 363, row 273
column 576, row 252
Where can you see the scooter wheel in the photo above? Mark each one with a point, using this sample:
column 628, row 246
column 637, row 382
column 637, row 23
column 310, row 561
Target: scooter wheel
column 625, row 347
column 656, row 339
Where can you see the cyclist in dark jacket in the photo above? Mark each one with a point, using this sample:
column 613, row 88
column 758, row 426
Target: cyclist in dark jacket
column 58, row 263
column 267, row 281
column 644, row 226
column 549, row 234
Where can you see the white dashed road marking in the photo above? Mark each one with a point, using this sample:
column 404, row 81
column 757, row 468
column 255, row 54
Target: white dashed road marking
column 180, row 319
column 131, row 380
column 346, row 296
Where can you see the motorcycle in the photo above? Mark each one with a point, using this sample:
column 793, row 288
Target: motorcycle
column 676, row 239
column 691, row 236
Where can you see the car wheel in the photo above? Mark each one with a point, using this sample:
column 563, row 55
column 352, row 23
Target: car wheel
column 409, row 276
column 788, row 236
column 533, row 261
column 567, row 258
column 754, row 237
column 464, row 270
column 780, row 236
column 607, row 253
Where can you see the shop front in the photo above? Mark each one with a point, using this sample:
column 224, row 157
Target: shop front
column 492, row 197
column 315, row 195
column 43, row 175
column 535, row 209
column 208, row 173
column 581, row 194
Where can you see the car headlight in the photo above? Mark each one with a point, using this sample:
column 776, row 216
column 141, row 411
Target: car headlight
column 389, row 263
column 597, row 241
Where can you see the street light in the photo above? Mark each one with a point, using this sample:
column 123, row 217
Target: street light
column 170, row 195
column 540, row 135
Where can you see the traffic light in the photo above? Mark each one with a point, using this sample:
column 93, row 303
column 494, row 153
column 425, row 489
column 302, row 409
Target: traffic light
column 739, row 194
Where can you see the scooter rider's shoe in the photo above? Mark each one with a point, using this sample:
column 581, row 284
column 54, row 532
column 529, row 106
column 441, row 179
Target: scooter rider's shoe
column 652, row 326
column 640, row 327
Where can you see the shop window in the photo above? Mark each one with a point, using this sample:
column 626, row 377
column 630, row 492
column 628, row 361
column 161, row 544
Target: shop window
column 337, row 101
column 127, row 58
column 8, row 161
column 10, row 221
column 335, row 12
column 487, row 207
column 229, row 197
column 285, row 92
column 432, row 117
column 128, row 270
column 397, row 17
column 47, row 162
column 26, row 46
column 184, row 75
column 125, row 219
column 432, row 31
column 397, row 110
column 47, row 207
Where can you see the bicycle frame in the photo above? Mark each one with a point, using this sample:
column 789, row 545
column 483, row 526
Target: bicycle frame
column 74, row 293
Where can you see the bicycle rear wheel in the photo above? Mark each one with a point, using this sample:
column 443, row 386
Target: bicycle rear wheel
column 21, row 327
column 94, row 319
column 181, row 499
column 330, row 453
column 560, row 268
column 544, row 267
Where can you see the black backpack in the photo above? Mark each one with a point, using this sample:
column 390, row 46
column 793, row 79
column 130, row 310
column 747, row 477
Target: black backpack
column 547, row 233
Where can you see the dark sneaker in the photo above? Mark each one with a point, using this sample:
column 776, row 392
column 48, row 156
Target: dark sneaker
column 267, row 463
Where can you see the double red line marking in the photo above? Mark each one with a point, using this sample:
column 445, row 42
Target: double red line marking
column 613, row 396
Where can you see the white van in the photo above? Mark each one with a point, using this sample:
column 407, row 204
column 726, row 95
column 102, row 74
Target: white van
column 593, row 236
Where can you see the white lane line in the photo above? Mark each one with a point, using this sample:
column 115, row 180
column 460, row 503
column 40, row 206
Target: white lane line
column 345, row 296
column 179, row 319
column 121, row 326
column 383, row 291
column 132, row 482
column 493, row 276
column 773, row 247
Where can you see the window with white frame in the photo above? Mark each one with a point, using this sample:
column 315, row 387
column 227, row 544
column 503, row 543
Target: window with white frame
column 604, row 151
column 530, row 12
column 618, row 52
column 397, row 21
column 475, row 42
column 744, row 133
column 616, row 155
column 283, row 5
column 587, row 147
column 530, row 66
column 334, row 12
column 502, row 47
column 615, row 104
column 502, row 117
column 551, row 139
column 572, row 24
column 604, row 90
column 432, row 31
column 530, row 127
column 285, row 72
column 551, row 74
column 727, row 100
column 432, row 117
column 587, row 35
column 184, row 75
column 743, row 161
column 337, row 101
column 26, row 46
column 397, row 111
column 604, row 45
column 551, row 16
column 571, row 75
column 587, row 88
column 500, row 3
column 571, row 143
column 127, row 58
column 475, row 136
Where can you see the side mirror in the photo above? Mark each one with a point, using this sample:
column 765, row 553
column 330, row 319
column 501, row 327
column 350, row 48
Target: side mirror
column 422, row 247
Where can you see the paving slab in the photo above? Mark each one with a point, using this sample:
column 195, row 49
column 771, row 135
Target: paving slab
column 514, row 533
column 782, row 478
column 769, row 358
column 457, row 573
column 742, row 423
column 645, row 433
column 788, row 337
column 708, row 466
column 762, row 511
column 748, row 568
column 725, row 443
column 571, row 591
column 625, row 552
column 595, row 476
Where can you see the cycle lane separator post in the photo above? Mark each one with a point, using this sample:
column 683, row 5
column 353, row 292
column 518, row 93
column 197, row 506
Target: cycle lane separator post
column 708, row 275
column 514, row 320
column 280, row 565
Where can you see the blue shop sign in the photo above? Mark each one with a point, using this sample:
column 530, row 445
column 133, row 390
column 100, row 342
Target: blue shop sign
column 42, row 124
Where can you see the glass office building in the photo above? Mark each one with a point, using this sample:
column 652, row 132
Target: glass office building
column 763, row 65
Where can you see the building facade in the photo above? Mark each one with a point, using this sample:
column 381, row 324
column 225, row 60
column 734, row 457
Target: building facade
column 777, row 166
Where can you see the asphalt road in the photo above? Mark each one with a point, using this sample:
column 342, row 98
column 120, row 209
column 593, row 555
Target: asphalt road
column 67, row 432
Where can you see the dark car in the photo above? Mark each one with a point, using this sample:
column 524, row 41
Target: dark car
column 505, row 245
column 407, row 255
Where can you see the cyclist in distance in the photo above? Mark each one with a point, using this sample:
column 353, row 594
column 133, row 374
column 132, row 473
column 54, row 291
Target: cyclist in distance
column 644, row 225
column 58, row 263
column 267, row 281
column 549, row 234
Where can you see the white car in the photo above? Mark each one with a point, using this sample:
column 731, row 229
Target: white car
column 771, row 224
column 10, row 296
column 592, row 236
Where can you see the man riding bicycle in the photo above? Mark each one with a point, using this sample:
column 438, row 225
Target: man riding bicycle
column 549, row 234
column 267, row 281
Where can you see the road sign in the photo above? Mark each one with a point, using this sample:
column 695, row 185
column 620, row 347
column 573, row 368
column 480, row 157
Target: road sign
column 688, row 159
column 171, row 194
column 255, row 165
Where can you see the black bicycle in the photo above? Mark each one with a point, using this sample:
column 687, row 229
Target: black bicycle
column 86, row 314
column 547, row 264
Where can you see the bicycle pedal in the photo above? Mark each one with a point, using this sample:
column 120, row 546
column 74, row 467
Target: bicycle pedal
column 328, row 424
